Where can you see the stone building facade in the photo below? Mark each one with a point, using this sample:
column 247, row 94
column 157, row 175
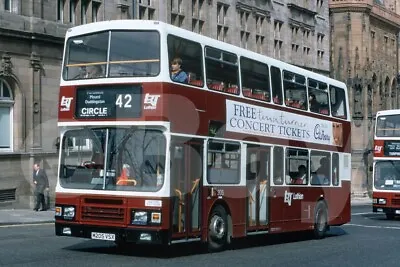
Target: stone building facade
column 365, row 55
column 31, row 46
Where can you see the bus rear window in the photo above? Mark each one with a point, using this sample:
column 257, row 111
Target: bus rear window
column 112, row 54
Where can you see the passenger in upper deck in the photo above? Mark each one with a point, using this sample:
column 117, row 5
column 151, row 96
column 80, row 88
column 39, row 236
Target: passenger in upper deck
column 314, row 104
column 94, row 71
column 177, row 74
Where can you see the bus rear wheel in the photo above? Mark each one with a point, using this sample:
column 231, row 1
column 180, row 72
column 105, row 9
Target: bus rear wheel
column 217, row 230
column 320, row 220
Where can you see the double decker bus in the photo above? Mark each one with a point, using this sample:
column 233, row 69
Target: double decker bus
column 386, row 163
column 239, row 144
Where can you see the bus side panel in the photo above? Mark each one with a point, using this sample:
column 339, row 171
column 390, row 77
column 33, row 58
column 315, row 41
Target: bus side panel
column 290, row 208
column 233, row 199
column 339, row 207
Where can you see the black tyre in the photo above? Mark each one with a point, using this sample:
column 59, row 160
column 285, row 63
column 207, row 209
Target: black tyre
column 217, row 229
column 389, row 216
column 320, row 220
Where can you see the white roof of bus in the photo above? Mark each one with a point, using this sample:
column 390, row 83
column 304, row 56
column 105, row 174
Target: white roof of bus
column 168, row 28
column 388, row 112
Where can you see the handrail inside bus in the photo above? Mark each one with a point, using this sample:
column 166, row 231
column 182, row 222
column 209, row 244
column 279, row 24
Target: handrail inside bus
column 180, row 209
column 113, row 62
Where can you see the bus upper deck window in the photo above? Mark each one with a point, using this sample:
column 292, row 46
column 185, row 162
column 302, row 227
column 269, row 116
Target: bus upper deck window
column 222, row 71
column 318, row 97
column 188, row 57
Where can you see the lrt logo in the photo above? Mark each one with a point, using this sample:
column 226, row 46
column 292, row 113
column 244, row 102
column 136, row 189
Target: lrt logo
column 378, row 149
column 65, row 103
column 289, row 196
column 150, row 101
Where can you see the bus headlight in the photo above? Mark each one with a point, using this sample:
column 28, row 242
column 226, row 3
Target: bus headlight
column 69, row 213
column 382, row 201
column 139, row 217
column 375, row 201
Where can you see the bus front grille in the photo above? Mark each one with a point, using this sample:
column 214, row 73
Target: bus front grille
column 90, row 213
column 396, row 201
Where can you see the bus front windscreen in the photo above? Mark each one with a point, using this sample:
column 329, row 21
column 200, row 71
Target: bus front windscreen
column 129, row 159
column 388, row 126
column 387, row 175
column 112, row 54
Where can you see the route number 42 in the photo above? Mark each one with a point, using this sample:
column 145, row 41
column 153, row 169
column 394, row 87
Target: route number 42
column 124, row 101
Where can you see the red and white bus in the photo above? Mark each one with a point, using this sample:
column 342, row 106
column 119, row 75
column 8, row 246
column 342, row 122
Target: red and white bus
column 386, row 165
column 235, row 149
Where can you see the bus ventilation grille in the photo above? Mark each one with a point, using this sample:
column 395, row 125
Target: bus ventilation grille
column 103, row 214
column 7, row 195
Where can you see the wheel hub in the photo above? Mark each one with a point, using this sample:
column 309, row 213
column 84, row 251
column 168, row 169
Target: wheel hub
column 217, row 227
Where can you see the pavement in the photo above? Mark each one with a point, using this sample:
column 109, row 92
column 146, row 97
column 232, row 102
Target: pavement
column 358, row 201
column 27, row 216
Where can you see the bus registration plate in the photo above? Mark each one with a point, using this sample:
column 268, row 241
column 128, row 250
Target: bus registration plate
column 103, row 236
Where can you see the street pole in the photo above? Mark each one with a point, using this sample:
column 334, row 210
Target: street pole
column 133, row 9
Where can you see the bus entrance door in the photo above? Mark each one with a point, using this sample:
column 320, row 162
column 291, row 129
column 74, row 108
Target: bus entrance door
column 186, row 173
column 257, row 182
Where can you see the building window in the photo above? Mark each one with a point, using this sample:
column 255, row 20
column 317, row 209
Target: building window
column 197, row 16
column 60, row 10
column 146, row 11
column 95, row 11
column 277, row 39
column 6, row 105
column 244, row 33
column 260, row 33
column 84, row 6
column 222, row 26
column 177, row 13
column 7, row 5
column 72, row 9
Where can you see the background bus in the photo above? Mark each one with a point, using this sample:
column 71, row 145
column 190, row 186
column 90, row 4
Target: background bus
column 244, row 145
column 386, row 165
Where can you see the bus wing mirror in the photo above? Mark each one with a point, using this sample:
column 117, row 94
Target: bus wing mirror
column 371, row 168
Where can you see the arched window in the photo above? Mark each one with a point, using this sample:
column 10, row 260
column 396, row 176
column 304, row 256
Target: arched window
column 6, row 120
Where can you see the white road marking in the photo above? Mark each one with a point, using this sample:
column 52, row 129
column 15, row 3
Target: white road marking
column 363, row 213
column 373, row 226
column 24, row 225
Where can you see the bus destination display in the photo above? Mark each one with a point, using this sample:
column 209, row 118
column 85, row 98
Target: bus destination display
column 392, row 148
column 108, row 102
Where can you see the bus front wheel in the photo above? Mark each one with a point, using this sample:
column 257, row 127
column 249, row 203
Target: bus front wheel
column 217, row 229
column 390, row 216
column 320, row 220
